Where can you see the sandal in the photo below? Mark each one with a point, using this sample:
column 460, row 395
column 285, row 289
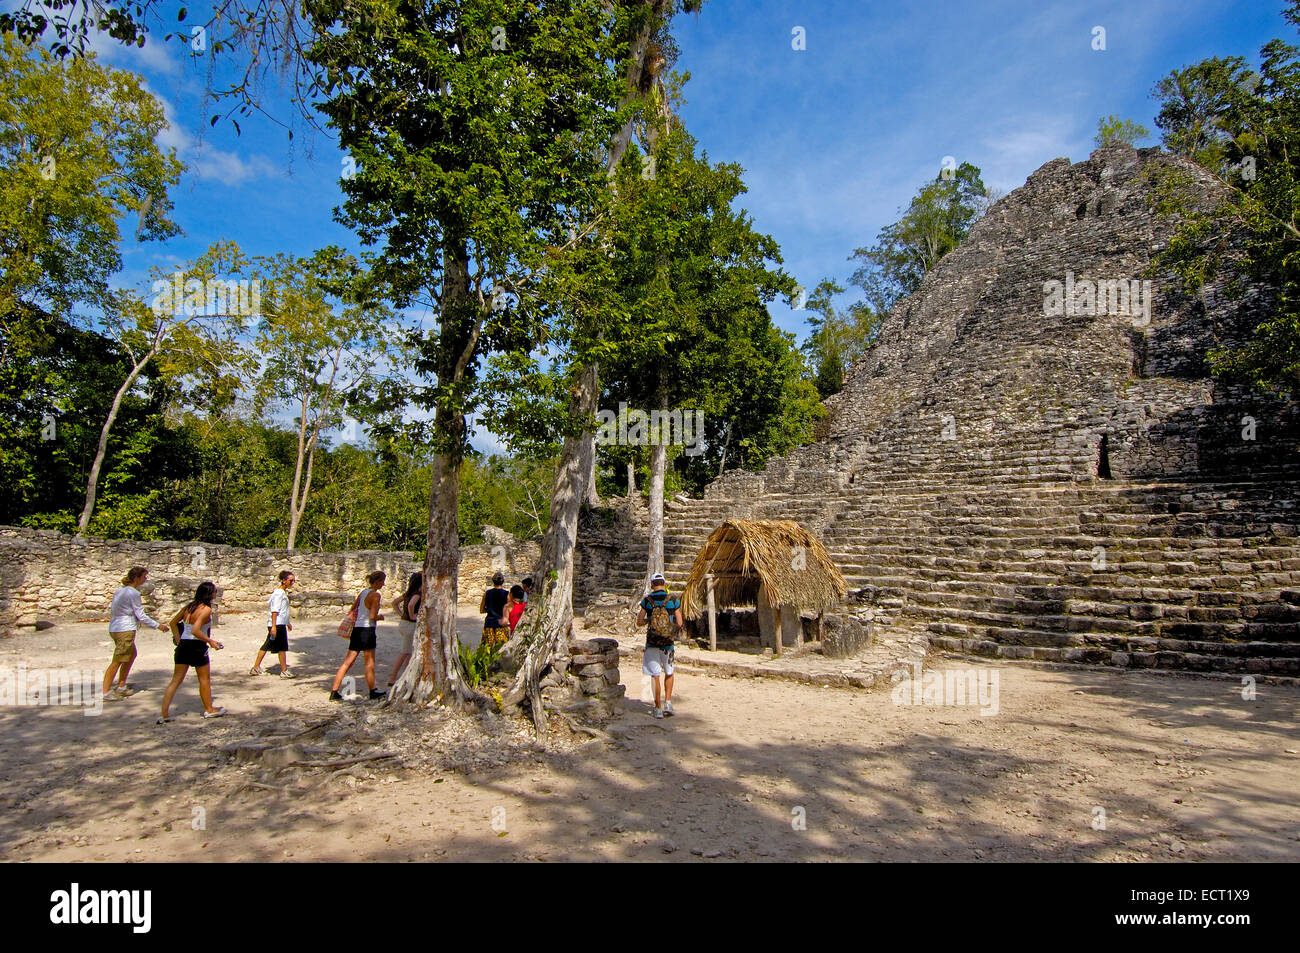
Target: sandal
column 163, row 721
column 124, row 691
column 254, row 671
column 214, row 714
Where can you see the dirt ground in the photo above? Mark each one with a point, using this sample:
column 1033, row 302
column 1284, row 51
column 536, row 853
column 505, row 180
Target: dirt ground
column 1177, row 768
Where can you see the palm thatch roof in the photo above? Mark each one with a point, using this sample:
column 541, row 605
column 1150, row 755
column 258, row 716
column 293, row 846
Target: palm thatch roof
column 741, row 555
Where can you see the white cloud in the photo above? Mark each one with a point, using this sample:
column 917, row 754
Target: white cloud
column 154, row 57
column 206, row 162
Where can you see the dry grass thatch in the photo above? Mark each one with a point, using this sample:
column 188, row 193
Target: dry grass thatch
column 742, row 554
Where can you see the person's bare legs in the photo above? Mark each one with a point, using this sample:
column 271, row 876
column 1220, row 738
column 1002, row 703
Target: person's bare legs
column 668, row 688
column 370, row 669
column 655, row 682
column 343, row 669
column 114, row 666
column 109, row 673
column 397, row 666
column 125, row 670
column 261, row 654
column 178, row 676
column 284, row 663
column 205, row 687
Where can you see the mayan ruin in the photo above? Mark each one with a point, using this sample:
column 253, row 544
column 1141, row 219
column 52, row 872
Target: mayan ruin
column 644, row 433
column 1068, row 488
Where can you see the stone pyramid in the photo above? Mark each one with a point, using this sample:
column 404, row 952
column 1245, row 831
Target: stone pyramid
column 1033, row 460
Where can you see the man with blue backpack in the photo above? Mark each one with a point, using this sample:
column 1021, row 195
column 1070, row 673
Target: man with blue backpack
column 661, row 614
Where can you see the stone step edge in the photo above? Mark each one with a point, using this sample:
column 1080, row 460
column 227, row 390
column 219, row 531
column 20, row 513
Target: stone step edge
column 1110, row 670
column 869, row 680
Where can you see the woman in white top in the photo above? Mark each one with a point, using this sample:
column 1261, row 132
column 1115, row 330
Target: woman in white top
column 125, row 617
column 278, row 627
column 363, row 639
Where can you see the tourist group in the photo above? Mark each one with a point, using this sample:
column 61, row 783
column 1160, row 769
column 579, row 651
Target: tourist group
column 191, row 632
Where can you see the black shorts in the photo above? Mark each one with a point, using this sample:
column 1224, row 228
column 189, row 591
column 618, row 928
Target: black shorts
column 277, row 641
column 192, row 652
column 363, row 640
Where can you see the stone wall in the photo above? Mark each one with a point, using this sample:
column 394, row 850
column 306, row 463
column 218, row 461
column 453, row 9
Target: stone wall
column 47, row 576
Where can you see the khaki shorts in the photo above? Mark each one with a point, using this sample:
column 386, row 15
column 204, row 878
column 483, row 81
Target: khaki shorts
column 406, row 629
column 123, row 645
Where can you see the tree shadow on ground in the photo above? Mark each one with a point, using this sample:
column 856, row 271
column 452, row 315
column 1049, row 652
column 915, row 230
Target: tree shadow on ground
column 678, row 787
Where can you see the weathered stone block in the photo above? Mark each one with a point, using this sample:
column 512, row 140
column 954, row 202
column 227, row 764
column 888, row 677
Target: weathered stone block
column 844, row 635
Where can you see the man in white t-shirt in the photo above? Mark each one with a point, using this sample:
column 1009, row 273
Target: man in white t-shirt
column 278, row 627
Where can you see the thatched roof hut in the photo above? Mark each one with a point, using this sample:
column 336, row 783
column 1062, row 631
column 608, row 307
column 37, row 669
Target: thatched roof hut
column 789, row 562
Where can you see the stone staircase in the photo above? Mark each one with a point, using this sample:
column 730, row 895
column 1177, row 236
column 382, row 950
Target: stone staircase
column 1190, row 575
column 1024, row 483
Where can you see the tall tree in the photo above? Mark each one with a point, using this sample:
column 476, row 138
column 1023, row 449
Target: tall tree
column 839, row 338
column 1245, row 128
column 190, row 327
column 477, row 128
column 77, row 141
column 587, row 317
column 1194, row 102
column 324, row 340
column 936, row 220
column 688, row 268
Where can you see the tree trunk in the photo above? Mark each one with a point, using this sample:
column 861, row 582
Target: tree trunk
column 631, row 479
column 295, row 518
column 295, row 512
column 101, row 451
column 434, row 672
column 658, row 466
column 575, row 477
column 590, row 494
column 554, row 619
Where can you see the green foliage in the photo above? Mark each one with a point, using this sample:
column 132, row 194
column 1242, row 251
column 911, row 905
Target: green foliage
column 511, row 493
column 478, row 662
column 477, row 129
column 70, row 23
column 691, row 276
column 936, row 221
column 1194, row 102
column 838, row 339
column 77, row 143
column 1245, row 128
column 1114, row 129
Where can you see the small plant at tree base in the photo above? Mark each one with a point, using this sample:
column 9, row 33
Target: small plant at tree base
column 478, row 663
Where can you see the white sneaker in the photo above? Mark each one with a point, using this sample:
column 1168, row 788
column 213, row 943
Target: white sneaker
column 658, row 713
column 668, row 708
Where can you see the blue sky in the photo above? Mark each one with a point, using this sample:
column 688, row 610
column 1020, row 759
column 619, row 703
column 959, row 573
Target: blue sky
column 834, row 139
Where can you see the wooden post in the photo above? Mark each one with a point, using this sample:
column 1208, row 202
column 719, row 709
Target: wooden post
column 821, row 626
column 798, row 631
column 713, row 619
column 776, row 629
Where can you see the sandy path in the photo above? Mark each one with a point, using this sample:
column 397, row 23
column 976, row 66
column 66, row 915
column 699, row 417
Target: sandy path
column 1183, row 768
